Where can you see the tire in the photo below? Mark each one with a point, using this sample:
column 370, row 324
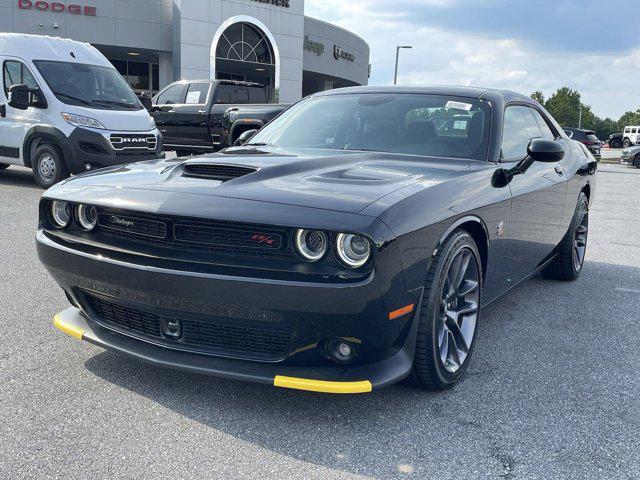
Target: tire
column 48, row 165
column 4, row 166
column 435, row 366
column 569, row 263
column 616, row 144
column 636, row 161
column 626, row 143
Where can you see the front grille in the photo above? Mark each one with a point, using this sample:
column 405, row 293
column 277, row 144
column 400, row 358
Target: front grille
column 196, row 235
column 130, row 142
column 222, row 173
column 214, row 336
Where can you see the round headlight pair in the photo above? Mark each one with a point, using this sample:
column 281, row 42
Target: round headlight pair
column 353, row 250
column 87, row 215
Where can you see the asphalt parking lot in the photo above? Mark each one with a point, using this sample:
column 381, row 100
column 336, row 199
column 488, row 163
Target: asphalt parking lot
column 553, row 390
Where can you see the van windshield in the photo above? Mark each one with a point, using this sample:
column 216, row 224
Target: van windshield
column 88, row 85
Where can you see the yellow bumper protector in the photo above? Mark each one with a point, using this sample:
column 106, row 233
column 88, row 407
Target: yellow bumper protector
column 322, row 386
column 75, row 332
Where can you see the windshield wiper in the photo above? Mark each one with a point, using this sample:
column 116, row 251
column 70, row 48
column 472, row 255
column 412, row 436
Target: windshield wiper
column 72, row 98
column 130, row 106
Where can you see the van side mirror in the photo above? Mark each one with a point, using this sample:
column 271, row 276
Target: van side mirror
column 19, row 97
column 245, row 137
column 549, row 151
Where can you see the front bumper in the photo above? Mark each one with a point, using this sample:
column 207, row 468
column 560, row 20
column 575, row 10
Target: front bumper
column 87, row 148
column 312, row 312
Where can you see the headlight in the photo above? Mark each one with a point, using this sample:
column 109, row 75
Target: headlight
column 312, row 244
column 81, row 121
column 87, row 217
column 60, row 213
column 354, row 250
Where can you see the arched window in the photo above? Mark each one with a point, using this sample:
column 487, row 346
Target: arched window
column 244, row 42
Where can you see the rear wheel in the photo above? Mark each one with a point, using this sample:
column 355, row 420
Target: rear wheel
column 617, row 143
column 626, row 143
column 573, row 248
column 449, row 314
column 48, row 165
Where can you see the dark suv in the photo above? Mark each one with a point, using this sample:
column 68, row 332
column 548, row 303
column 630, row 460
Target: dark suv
column 588, row 138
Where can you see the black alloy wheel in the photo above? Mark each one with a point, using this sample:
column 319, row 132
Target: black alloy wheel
column 569, row 262
column 449, row 315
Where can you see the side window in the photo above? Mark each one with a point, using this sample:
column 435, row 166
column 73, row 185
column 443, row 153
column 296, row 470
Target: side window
column 197, row 93
column 170, row 96
column 223, row 94
column 240, row 95
column 520, row 128
column 634, row 130
column 547, row 134
column 257, row 95
column 229, row 94
column 12, row 75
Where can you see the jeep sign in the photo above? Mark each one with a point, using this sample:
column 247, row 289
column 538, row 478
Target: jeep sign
column 57, row 7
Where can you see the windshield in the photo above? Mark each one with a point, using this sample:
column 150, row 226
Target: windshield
column 88, row 85
column 414, row 124
column 591, row 136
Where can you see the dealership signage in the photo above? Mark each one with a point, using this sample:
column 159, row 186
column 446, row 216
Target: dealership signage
column 311, row 46
column 340, row 54
column 277, row 3
column 57, row 7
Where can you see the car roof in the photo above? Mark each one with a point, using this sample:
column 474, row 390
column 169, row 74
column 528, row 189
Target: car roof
column 581, row 130
column 43, row 47
column 456, row 91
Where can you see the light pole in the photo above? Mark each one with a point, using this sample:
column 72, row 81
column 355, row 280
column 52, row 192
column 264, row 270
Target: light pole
column 395, row 78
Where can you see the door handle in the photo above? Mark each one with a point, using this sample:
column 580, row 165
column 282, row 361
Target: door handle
column 202, row 111
column 559, row 170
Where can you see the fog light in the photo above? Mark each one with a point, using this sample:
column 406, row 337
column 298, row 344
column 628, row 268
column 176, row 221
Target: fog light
column 340, row 351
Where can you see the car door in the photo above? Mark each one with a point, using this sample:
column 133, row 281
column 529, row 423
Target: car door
column 538, row 192
column 14, row 123
column 163, row 111
column 192, row 116
column 226, row 96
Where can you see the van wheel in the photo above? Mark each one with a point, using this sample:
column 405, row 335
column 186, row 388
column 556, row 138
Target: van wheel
column 48, row 166
column 626, row 143
column 3, row 166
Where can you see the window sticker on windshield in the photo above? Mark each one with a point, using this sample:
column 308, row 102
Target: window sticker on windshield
column 193, row 97
column 459, row 105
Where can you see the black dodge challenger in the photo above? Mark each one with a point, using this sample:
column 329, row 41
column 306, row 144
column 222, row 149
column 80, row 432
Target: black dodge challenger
column 349, row 244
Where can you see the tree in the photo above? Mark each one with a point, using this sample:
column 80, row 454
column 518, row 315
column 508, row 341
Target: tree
column 564, row 106
column 538, row 97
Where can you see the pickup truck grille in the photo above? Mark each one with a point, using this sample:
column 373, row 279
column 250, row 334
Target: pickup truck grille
column 222, row 173
column 211, row 336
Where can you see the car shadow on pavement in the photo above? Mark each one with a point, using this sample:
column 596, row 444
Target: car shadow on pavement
column 18, row 177
column 539, row 380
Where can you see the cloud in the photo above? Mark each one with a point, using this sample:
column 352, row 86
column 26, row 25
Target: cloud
column 500, row 43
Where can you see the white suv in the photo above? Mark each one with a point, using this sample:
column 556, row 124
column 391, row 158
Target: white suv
column 631, row 136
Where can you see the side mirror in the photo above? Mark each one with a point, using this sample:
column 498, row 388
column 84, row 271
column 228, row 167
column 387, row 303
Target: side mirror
column 245, row 137
column 545, row 150
column 20, row 97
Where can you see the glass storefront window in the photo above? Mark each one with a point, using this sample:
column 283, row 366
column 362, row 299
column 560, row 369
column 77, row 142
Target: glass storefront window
column 138, row 75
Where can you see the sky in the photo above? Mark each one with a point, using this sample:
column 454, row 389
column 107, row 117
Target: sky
column 524, row 45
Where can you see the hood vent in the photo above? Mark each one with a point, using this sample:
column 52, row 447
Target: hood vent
column 222, row 173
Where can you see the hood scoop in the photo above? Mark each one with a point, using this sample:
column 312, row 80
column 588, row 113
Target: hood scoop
column 221, row 173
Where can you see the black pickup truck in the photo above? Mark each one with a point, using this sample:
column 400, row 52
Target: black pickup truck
column 200, row 116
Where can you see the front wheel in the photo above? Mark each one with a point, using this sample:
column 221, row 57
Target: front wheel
column 636, row 161
column 568, row 263
column 626, row 143
column 449, row 314
column 48, row 166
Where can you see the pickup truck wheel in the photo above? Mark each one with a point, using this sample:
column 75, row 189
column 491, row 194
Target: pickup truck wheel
column 626, row 143
column 3, row 166
column 568, row 264
column 449, row 314
column 617, row 143
column 48, row 165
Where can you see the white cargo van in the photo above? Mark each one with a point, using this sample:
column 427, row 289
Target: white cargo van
column 631, row 136
column 64, row 109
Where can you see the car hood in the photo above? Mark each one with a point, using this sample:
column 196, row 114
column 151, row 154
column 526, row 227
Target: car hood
column 341, row 181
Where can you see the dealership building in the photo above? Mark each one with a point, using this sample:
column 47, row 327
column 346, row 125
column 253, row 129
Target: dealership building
column 155, row 42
